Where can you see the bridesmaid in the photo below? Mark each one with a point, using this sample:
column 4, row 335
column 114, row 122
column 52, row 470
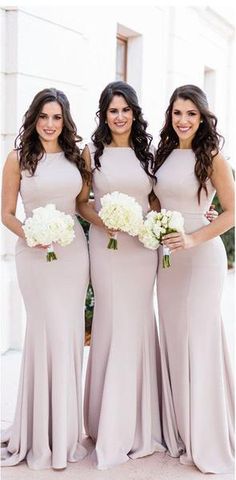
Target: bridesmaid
column 46, row 167
column 122, row 391
column 196, row 371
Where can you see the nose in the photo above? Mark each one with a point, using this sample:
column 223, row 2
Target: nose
column 120, row 115
column 49, row 121
column 183, row 119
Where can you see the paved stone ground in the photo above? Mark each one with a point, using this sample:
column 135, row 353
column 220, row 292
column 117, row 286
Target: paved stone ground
column 155, row 467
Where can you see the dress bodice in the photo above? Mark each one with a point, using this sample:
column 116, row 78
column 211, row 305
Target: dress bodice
column 177, row 187
column 120, row 171
column 56, row 180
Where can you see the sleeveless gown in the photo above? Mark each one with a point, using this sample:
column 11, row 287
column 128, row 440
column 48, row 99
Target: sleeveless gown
column 196, row 372
column 122, row 391
column 48, row 420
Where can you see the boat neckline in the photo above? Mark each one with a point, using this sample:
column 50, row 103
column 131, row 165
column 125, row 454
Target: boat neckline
column 114, row 148
column 53, row 153
column 182, row 149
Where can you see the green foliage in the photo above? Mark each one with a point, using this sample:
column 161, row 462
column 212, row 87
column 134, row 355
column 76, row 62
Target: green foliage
column 89, row 303
column 89, row 309
column 84, row 224
column 228, row 237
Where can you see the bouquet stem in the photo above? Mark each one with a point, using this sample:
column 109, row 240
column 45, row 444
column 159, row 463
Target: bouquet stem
column 51, row 254
column 166, row 263
column 113, row 244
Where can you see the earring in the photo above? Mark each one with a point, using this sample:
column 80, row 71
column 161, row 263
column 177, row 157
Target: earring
column 201, row 121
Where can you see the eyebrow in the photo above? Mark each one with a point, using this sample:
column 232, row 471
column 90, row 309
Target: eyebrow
column 44, row 113
column 191, row 110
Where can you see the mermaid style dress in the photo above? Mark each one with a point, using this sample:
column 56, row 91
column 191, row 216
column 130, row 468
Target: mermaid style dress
column 122, row 392
column 198, row 405
column 47, row 427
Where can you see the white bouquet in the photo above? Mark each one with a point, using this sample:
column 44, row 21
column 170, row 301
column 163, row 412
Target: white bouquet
column 120, row 212
column 150, row 232
column 158, row 224
column 48, row 225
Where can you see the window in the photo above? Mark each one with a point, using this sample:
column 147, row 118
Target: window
column 121, row 58
column 129, row 54
column 209, row 86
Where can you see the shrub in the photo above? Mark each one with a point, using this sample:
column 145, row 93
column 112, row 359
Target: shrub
column 228, row 238
column 89, row 302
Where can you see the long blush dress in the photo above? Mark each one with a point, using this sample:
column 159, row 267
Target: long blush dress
column 47, row 427
column 122, row 391
column 196, row 372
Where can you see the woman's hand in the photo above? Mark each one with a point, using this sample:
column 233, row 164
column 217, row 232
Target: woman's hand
column 178, row 241
column 111, row 232
column 212, row 214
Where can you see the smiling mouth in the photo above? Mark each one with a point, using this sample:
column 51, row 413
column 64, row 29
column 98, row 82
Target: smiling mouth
column 184, row 129
column 49, row 132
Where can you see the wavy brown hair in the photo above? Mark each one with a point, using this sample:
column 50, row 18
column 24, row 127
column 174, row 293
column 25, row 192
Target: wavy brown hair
column 140, row 140
column 28, row 145
column 206, row 142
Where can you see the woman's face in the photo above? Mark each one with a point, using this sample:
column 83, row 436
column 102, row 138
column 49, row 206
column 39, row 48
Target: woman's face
column 50, row 122
column 119, row 116
column 185, row 121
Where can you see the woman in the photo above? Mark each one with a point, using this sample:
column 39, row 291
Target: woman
column 196, row 372
column 122, row 386
column 46, row 167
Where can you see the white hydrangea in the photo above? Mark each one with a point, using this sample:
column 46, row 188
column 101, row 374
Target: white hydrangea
column 48, row 225
column 157, row 224
column 176, row 222
column 150, row 233
column 148, row 238
column 121, row 212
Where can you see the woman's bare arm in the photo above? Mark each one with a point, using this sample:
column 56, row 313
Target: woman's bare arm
column 10, row 189
column 223, row 181
column 86, row 208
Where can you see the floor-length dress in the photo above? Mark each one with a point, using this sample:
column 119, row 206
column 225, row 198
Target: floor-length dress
column 122, row 385
column 48, row 420
column 196, row 372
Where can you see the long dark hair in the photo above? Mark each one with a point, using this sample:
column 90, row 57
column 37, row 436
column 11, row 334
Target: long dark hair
column 206, row 142
column 140, row 140
column 28, row 144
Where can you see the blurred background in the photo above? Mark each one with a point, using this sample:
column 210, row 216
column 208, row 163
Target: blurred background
column 79, row 49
